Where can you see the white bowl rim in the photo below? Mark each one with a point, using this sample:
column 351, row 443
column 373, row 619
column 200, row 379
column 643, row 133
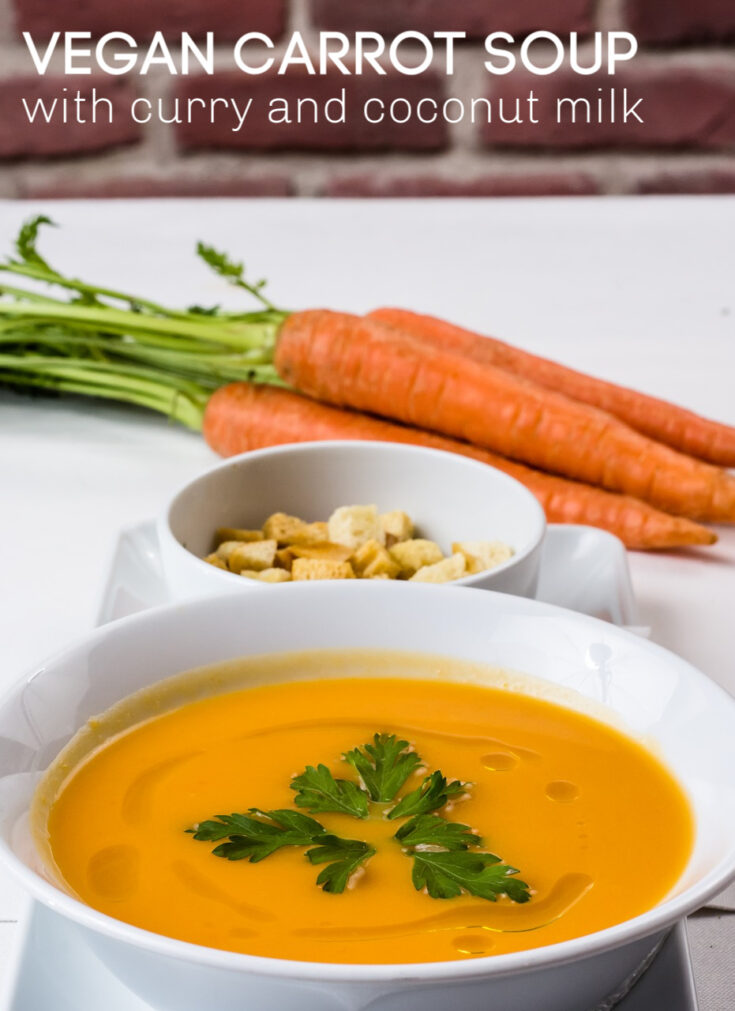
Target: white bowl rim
column 646, row 924
column 536, row 532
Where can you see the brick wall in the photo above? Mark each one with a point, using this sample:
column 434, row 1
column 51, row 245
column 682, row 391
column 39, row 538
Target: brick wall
column 685, row 73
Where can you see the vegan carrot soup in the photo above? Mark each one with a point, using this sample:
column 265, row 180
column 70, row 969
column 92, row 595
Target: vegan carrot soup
column 364, row 819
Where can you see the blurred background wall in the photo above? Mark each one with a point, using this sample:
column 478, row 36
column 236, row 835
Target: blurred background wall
column 685, row 71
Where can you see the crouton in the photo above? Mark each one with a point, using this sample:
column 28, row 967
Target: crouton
column 483, row 555
column 396, row 526
column 284, row 558
column 267, row 575
column 326, row 550
column 236, row 534
column 354, row 525
column 215, row 560
column 282, row 528
column 288, row 530
column 259, row 555
column 226, row 548
column 311, row 534
column 320, row 568
column 356, row 541
column 372, row 559
column 442, row 572
column 412, row 555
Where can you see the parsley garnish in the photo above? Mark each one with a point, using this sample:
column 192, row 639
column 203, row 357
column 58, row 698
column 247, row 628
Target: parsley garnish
column 432, row 795
column 342, row 856
column 318, row 790
column 445, row 867
column 431, row 830
column 448, row 859
column 383, row 765
column 256, row 835
column 446, row 874
column 255, row 838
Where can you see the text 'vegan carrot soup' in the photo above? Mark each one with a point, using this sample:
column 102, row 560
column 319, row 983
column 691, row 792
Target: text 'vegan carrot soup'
column 363, row 818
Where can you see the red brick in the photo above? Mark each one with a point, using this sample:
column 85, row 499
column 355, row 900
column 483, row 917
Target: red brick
column 354, row 135
column 228, row 19
column 657, row 22
column 700, row 181
column 521, row 184
column 681, row 108
column 476, row 17
column 21, row 139
column 147, row 186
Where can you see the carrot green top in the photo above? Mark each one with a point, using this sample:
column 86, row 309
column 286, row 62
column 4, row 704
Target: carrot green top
column 108, row 343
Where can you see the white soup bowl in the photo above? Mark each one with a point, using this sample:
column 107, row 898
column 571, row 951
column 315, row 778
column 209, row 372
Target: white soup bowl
column 655, row 695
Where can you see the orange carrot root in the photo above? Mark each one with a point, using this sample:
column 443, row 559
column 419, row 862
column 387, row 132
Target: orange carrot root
column 242, row 417
column 658, row 419
column 352, row 362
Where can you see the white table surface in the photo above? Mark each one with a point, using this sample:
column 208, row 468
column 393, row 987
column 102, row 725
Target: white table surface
column 641, row 291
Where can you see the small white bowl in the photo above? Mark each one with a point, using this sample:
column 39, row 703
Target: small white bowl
column 657, row 696
column 449, row 497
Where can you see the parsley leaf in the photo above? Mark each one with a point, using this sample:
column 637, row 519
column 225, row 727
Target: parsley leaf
column 342, row 857
column 446, row 862
column 383, row 765
column 255, row 838
column 318, row 790
column 257, row 835
column 433, row 793
column 446, row 875
column 431, row 830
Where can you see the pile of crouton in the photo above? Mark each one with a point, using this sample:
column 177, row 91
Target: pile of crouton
column 355, row 542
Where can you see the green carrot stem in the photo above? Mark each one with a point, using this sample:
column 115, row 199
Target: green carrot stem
column 27, row 296
column 30, row 331
column 171, row 403
column 38, row 273
column 236, row 335
column 199, row 356
column 103, row 373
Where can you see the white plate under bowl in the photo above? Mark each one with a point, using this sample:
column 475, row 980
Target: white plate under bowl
column 581, row 568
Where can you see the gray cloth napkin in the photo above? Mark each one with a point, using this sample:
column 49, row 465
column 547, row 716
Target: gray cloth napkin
column 725, row 901
column 711, row 934
column 712, row 946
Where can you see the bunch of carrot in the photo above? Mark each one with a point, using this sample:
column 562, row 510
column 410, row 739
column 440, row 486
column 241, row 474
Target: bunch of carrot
column 592, row 452
column 455, row 390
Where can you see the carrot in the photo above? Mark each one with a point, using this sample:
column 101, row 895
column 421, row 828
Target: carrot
column 241, row 417
column 353, row 362
column 683, row 430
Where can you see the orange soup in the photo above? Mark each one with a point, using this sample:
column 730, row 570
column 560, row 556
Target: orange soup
column 584, row 816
